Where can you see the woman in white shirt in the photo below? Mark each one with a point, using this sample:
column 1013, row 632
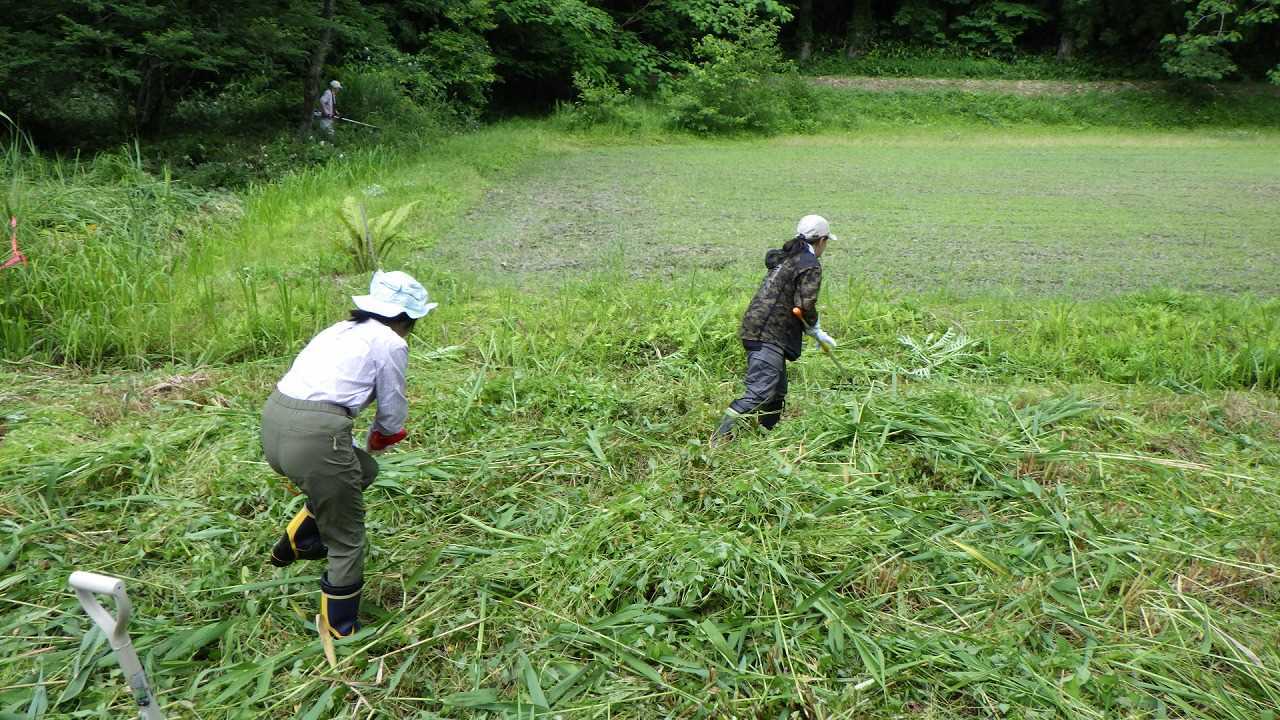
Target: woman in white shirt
column 307, row 435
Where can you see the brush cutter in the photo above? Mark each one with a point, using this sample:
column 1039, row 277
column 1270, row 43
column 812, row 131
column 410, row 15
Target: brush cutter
column 361, row 124
column 800, row 316
column 88, row 585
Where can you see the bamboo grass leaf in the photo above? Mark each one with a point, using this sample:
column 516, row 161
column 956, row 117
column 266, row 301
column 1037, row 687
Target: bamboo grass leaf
column 981, row 557
column 531, row 681
column 321, row 706
column 188, row 643
column 472, row 698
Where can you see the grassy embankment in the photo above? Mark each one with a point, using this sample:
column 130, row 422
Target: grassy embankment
column 1049, row 488
column 889, row 59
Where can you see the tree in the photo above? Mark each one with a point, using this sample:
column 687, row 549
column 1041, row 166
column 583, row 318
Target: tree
column 1202, row 51
column 861, row 28
column 1074, row 24
column 315, row 64
column 804, row 28
column 91, row 68
column 998, row 24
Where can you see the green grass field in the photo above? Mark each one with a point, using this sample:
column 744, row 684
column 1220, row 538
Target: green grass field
column 1048, row 488
column 1025, row 212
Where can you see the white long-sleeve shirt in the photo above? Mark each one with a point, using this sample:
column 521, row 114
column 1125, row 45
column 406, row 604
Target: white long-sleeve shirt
column 352, row 364
column 326, row 104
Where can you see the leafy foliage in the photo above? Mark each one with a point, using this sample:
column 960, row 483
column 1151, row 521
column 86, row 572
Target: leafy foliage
column 997, row 24
column 601, row 102
column 85, row 74
column 740, row 84
column 369, row 241
column 1202, row 51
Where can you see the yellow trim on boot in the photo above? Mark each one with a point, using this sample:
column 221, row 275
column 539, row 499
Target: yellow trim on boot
column 324, row 613
column 292, row 528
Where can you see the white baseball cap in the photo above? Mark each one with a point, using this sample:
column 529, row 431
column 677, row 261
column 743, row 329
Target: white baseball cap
column 392, row 293
column 812, row 227
column 335, row 84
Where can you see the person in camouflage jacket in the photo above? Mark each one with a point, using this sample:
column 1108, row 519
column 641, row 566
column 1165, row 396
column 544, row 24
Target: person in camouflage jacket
column 771, row 334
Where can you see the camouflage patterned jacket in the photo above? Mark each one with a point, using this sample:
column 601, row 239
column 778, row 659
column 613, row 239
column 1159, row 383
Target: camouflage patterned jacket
column 791, row 281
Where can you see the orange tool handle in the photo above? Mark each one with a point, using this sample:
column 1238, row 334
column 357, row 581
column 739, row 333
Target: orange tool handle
column 800, row 316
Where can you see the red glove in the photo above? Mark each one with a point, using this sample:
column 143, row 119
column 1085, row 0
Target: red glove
column 378, row 441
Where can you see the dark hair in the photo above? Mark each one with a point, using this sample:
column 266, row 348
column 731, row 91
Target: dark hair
column 359, row 316
column 795, row 245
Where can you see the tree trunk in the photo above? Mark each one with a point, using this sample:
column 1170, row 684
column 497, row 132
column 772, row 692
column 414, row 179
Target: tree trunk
column 150, row 96
column 312, row 85
column 861, row 28
column 804, row 28
column 1066, row 46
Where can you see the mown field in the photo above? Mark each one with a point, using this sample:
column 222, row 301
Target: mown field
column 1081, row 214
column 1049, row 486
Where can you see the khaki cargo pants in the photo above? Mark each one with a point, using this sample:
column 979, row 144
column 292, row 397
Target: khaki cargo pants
column 310, row 443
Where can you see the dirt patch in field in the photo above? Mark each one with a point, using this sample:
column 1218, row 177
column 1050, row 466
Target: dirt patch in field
column 1026, row 87
column 1243, row 412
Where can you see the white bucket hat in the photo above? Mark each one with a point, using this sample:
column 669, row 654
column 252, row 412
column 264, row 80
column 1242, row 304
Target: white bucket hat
column 392, row 293
column 812, row 227
column 335, row 84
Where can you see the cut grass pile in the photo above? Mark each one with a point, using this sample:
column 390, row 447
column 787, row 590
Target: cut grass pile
column 977, row 524
column 1017, row 506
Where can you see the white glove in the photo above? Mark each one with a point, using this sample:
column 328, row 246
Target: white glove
column 822, row 337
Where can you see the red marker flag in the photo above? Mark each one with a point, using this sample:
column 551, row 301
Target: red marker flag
column 15, row 255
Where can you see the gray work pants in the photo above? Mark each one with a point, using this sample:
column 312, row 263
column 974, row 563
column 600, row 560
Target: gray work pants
column 766, row 385
column 310, row 443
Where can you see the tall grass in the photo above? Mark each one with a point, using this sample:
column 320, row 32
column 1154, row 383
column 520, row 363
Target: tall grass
column 103, row 239
column 1009, row 508
column 887, row 59
column 854, row 108
column 1002, row 536
column 129, row 267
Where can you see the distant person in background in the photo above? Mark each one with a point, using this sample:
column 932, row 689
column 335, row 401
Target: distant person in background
column 771, row 333
column 307, row 435
column 329, row 108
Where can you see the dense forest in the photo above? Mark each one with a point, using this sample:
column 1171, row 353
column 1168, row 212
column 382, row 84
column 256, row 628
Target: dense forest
column 79, row 70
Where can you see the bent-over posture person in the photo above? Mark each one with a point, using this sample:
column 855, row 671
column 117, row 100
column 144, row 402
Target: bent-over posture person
column 771, row 334
column 307, row 434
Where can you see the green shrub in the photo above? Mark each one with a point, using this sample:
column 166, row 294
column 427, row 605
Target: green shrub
column 741, row 84
column 600, row 102
column 240, row 107
column 393, row 98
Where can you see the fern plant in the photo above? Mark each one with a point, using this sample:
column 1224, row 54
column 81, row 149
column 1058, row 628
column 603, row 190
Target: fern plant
column 951, row 349
column 369, row 240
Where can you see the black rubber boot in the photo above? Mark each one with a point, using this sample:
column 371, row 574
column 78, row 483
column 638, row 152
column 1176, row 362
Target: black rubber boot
column 301, row 541
column 339, row 606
